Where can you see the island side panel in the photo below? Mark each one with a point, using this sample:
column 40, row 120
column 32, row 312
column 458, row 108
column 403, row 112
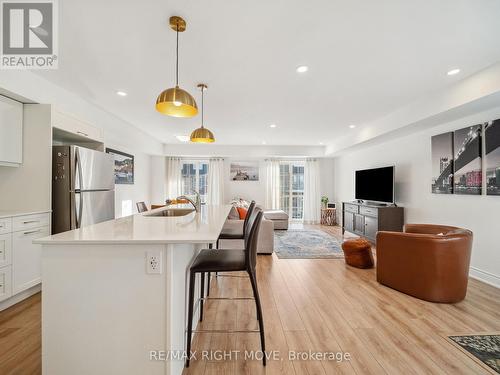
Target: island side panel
column 179, row 259
column 101, row 312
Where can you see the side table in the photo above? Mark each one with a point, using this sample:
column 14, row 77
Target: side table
column 328, row 216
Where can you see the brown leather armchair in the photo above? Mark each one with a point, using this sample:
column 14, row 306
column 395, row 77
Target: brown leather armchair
column 430, row 262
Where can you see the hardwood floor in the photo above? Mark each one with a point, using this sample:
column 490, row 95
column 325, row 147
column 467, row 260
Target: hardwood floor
column 20, row 338
column 320, row 305
column 323, row 305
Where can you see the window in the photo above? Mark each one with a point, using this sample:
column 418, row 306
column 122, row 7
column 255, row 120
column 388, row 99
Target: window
column 194, row 177
column 292, row 189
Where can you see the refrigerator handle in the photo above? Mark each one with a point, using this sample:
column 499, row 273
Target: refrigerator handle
column 78, row 166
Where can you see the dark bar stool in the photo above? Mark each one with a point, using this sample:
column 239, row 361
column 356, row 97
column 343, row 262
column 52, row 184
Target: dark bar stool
column 217, row 260
column 231, row 234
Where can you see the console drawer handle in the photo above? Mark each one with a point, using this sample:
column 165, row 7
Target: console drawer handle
column 31, row 221
column 32, row 231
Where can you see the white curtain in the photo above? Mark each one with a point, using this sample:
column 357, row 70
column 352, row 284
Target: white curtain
column 215, row 183
column 312, row 198
column 273, row 184
column 173, row 178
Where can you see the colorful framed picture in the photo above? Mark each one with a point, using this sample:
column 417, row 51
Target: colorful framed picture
column 124, row 167
column 468, row 177
column 492, row 157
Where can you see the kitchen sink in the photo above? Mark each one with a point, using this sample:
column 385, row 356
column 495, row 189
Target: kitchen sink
column 171, row 212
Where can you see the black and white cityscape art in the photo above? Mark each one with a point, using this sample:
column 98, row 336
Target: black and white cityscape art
column 442, row 163
column 492, row 157
column 468, row 178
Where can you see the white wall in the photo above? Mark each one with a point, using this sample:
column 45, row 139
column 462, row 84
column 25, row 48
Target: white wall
column 411, row 155
column 158, row 175
column 257, row 189
column 118, row 134
column 126, row 196
column 28, row 187
column 249, row 190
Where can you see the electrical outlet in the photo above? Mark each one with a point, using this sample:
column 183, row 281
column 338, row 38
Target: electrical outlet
column 153, row 262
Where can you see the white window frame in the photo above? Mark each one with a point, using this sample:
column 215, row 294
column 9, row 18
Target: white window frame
column 291, row 164
column 197, row 162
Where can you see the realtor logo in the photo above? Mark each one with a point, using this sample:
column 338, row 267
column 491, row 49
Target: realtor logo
column 29, row 31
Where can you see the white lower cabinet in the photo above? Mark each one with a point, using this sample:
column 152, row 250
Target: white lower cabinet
column 27, row 258
column 20, row 258
column 5, row 282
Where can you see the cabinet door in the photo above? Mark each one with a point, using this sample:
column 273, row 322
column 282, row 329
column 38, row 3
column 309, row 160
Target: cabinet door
column 371, row 227
column 359, row 224
column 11, row 132
column 5, row 282
column 73, row 125
column 26, row 258
column 348, row 221
column 5, row 249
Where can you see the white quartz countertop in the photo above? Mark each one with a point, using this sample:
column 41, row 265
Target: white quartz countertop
column 14, row 213
column 201, row 227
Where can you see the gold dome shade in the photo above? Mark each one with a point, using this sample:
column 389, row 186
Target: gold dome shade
column 202, row 135
column 176, row 102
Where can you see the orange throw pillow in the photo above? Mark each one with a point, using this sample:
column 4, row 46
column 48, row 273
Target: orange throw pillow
column 242, row 212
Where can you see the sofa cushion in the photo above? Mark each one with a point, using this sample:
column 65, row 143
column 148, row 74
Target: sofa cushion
column 242, row 212
column 233, row 214
column 275, row 215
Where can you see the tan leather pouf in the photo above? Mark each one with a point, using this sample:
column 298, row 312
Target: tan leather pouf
column 358, row 253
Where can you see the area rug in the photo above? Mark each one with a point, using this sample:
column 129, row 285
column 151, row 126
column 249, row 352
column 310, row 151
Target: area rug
column 306, row 244
column 484, row 348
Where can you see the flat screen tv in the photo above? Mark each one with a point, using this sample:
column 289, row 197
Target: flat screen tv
column 375, row 184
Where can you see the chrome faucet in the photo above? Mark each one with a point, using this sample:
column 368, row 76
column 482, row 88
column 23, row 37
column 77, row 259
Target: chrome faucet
column 196, row 203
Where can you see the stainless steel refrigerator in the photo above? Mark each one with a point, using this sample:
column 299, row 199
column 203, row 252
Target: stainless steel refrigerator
column 83, row 187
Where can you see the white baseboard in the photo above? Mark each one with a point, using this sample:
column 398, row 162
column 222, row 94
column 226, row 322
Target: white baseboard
column 19, row 297
column 485, row 277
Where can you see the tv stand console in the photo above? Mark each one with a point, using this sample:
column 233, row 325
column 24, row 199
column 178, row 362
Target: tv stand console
column 365, row 219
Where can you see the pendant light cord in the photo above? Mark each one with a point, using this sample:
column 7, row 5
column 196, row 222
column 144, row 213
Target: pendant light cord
column 177, row 57
column 202, row 106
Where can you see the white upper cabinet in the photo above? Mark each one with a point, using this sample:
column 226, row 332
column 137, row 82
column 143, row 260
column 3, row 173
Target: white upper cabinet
column 75, row 126
column 11, row 132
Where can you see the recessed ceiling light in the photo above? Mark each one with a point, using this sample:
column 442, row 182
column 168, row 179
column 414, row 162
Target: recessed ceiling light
column 121, row 93
column 182, row 138
column 272, row 125
column 321, row 143
column 352, row 126
column 302, row 69
column 264, row 142
column 453, row 72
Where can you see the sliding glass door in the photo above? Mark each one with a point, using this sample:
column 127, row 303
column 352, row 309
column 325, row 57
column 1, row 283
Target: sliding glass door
column 292, row 189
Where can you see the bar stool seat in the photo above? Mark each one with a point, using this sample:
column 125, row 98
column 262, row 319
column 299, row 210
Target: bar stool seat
column 213, row 260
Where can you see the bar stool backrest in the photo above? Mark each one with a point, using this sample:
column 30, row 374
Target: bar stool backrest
column 249, row 213
column 251, row 239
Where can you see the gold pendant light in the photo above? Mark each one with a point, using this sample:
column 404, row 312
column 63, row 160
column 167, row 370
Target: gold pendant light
column 176, row 102
column 202, row 135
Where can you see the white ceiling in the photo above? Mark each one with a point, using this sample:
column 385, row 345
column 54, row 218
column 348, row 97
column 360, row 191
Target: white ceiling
column 366, row 59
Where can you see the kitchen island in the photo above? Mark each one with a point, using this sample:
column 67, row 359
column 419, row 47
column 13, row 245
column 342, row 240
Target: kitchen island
column 114, row 292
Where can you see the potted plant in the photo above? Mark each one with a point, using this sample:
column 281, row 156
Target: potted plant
column 324, row 201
